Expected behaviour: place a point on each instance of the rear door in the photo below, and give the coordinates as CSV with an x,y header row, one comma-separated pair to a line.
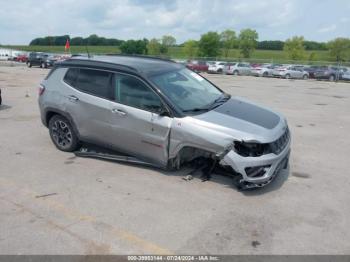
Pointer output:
x,y
88,101
138,128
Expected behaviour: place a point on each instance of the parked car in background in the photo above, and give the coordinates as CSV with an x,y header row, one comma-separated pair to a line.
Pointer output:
x,y
216,67
345,75
331,73
237,69
265,70
41,59
22,58
311,70
296,72
198,66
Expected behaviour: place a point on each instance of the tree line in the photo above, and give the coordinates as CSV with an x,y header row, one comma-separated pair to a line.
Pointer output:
x,y
212,44
90,40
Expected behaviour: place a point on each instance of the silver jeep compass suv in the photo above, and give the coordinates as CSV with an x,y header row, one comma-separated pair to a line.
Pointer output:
x,y
162,113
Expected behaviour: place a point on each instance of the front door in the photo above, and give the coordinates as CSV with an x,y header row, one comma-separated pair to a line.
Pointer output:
x,y
137,126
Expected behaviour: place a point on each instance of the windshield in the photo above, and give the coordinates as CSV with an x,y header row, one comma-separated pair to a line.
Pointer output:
x,y
187,90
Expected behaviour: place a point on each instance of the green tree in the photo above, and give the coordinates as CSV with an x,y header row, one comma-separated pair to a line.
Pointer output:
x,y
93,40
190,48
77,41
154,47
228,40
270,45
209,45
247,41
312,57
339,48
134,47
294,47
167,41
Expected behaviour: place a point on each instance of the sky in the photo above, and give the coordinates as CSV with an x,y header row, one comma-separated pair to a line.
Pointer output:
x,y
319,20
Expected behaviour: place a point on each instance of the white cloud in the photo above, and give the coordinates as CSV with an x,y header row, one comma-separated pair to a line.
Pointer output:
x,y
21,21
327,29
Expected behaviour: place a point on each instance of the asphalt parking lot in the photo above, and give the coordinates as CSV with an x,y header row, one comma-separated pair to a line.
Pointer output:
x,y
55,203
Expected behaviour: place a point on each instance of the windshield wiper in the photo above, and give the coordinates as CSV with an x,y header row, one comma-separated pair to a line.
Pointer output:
x,y
197,109
217,102
220,100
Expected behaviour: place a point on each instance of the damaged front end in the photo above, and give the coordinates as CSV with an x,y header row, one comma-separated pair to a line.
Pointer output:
x,y
257,164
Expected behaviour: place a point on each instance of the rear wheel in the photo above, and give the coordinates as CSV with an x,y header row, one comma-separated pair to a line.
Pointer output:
x,y
287,76
43,65
29,64
305,77
265,74
62,134
235,73
331,78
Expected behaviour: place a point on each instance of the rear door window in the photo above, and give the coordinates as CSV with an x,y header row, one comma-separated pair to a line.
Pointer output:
x,y
95,82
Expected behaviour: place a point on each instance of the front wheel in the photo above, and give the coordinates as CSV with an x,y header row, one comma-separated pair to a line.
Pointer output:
x,y
331,78
29,64
43,65
287,76
62,134
305,77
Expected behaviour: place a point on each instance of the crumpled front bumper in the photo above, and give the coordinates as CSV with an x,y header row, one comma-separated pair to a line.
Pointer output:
x,y
272,164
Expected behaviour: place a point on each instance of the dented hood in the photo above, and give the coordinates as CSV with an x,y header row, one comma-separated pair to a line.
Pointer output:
x,y
244,120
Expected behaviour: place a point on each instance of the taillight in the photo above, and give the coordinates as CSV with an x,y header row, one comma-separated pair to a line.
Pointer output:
x,y
41,90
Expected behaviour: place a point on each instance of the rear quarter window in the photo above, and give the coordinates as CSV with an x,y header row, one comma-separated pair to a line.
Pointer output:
x,y
71,76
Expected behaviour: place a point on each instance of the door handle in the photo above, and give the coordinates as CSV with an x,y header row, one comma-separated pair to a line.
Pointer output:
x,y
73,98
119,112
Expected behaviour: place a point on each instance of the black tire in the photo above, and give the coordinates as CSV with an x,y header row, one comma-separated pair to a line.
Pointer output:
x,y
235,73
29,64
220,70
43,65
265,74
62,134
305,77
287,76
331,78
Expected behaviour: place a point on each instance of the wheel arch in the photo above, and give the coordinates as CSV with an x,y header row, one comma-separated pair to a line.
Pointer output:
x,y
50,112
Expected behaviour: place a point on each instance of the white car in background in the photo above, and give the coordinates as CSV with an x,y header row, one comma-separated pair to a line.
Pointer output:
x,y
265,70
237,69
287,72
345,75
216,67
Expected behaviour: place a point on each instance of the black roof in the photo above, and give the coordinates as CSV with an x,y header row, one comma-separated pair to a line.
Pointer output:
x,y
136,64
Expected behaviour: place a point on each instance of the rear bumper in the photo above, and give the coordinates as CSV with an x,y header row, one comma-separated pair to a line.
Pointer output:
x,y
279,74
256,73
321,76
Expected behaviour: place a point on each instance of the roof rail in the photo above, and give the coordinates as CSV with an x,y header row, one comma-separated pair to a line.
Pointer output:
x,y
68,61
143,56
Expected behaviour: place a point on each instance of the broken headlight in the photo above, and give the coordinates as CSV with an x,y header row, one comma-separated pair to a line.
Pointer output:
x,y
250,149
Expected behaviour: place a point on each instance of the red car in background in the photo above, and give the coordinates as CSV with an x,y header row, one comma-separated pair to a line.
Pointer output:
x,y
198,66
22,58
